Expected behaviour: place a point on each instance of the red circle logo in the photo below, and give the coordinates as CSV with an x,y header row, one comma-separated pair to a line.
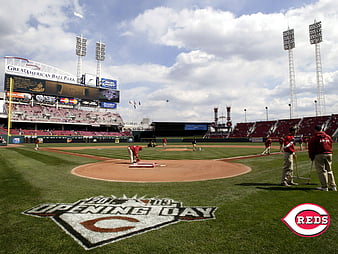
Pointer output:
x,y
307,220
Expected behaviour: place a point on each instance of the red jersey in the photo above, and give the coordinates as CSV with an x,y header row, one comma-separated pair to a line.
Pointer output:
x,y
135,149
268,142
289,141
320,143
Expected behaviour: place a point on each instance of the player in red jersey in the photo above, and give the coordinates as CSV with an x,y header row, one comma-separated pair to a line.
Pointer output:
x,y
268,143
133,153
320,151
289,156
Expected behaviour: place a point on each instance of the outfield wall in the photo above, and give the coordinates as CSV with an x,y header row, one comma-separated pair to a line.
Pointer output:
x,y
19,139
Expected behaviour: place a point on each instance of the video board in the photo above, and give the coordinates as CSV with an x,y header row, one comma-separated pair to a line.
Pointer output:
x,y
196,127
46,87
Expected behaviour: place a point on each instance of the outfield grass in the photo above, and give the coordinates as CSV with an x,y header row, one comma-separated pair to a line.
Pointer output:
x,y
248,215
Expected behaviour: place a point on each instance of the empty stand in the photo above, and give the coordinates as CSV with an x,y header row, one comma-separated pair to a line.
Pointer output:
x,y
263,129
242,130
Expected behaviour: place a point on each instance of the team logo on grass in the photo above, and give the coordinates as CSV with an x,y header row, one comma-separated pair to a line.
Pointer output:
x,y
96,221
307,220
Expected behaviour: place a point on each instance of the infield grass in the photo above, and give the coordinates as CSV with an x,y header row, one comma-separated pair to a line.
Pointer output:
x,y
248,215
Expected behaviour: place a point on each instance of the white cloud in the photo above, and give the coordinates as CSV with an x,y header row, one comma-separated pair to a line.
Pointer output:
x,y
240,61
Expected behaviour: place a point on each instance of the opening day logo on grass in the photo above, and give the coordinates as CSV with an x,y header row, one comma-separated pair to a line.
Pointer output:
x,y
307,220
96,221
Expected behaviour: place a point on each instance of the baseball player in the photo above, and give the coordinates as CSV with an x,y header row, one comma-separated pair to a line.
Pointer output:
x,y
320,151
37,141
194,144
268,143
281,141
289,155
133,153
164,142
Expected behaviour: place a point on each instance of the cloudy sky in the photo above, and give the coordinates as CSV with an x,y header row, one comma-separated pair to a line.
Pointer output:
x,y
181,58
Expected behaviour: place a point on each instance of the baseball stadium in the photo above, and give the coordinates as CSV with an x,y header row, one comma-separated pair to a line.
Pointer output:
x,y
68,184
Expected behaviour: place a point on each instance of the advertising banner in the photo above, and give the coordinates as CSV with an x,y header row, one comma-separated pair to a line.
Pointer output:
x,y
109,83
108,105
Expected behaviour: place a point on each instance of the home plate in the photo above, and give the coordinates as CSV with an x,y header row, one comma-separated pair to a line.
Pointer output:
x,y
142,165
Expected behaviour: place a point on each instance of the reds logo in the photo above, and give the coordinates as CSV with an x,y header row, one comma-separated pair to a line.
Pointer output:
x,y
307,220
96,221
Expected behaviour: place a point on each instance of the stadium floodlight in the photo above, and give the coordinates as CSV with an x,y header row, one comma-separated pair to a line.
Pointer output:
x,y
289,39
100,51
81,46
81,50
315,31
100,56
289,44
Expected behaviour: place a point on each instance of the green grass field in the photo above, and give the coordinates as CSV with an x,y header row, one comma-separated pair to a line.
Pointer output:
x,y
248,215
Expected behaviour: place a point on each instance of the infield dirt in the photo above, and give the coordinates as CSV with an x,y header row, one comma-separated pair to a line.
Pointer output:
x,y
174,170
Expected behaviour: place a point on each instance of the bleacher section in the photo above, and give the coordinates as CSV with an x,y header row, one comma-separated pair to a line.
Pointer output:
x,y
57,121
37,113
307,124
263,129
281,127
242,130
332,126
29,132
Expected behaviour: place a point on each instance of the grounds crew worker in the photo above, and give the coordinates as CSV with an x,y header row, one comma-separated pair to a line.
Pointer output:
x,y
320,152
289,155
267,143
133,153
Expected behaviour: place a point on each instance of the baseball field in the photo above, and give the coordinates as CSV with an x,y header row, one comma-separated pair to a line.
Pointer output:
x,y
239,213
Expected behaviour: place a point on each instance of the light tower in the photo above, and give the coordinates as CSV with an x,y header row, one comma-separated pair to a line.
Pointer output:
x,y
100,56
216,116
81,45
229,123
316,38
289,44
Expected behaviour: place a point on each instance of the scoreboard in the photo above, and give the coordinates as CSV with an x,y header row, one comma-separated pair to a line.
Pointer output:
x,y
60,89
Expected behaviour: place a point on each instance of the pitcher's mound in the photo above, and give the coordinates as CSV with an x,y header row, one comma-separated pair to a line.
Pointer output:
x,y
173,171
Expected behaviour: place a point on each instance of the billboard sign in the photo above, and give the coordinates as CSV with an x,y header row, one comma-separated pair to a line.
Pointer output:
x,y
45,98
109,83
59,89
71,101
108,105
27,68
17,95
195,127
